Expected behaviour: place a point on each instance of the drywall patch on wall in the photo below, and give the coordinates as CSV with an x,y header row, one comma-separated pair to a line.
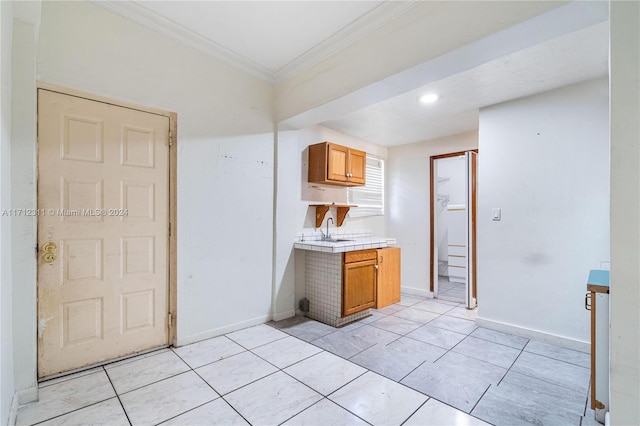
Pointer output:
x,y
544,161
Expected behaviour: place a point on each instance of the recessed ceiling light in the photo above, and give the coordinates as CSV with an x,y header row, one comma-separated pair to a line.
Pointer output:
x,y
429,98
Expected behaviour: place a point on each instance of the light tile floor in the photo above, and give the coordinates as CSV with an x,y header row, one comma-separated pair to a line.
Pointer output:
x,y
418,362
450,290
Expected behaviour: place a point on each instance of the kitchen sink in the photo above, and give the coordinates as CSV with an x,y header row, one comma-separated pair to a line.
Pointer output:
x,y
331,240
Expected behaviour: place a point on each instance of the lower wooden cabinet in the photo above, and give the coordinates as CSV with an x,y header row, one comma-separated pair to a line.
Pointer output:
x,y
359,276
370,279
388,280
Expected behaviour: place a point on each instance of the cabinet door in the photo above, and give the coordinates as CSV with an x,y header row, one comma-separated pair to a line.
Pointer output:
x,y
337,157
358,287
388,277
357,166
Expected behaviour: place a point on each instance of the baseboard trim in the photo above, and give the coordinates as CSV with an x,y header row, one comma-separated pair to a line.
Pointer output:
x,y
13,411
416,292
279,316
19,398
27,395
553,339
181,341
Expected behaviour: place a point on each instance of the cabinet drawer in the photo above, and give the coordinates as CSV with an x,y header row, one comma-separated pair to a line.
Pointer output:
x,y
360,255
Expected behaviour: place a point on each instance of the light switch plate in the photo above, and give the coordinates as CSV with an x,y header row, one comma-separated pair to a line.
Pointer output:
x,y
496,214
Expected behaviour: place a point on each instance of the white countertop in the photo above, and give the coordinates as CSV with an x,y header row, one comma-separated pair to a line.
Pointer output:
x,y
362,243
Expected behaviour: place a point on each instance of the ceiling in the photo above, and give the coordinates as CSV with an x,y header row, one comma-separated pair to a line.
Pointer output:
x,y
578,56
269,34
276,40
273,40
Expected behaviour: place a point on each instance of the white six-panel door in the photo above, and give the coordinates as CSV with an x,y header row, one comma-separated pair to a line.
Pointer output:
x,y
103,181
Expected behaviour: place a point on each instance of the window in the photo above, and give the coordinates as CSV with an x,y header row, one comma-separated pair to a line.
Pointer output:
x,y
370,197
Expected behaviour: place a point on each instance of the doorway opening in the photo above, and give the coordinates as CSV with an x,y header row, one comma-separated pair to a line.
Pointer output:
x,y
453,227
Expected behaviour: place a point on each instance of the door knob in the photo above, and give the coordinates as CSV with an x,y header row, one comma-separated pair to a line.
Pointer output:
x,y
50,251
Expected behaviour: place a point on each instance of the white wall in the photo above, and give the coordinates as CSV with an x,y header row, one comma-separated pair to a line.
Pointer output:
x,y
544,160
6,332
625,213
18,273
225,154
289,217
23,175
408,201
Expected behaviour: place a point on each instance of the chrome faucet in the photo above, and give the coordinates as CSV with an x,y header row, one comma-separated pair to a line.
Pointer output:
x,y
327,236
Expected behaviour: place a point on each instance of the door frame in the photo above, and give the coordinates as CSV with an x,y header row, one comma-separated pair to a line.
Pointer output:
x,y
173,196
432,218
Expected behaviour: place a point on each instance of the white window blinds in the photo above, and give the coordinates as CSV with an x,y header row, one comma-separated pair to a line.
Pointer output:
x,y
370,197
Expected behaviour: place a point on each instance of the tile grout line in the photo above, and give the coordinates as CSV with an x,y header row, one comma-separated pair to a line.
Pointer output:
x,y
117,395
78,409
586,401
536,378
510,367
398,382
152,383
216,392
326,396
231,356
316,403
480,399
208,363
497,343
416,410
556,359
420,365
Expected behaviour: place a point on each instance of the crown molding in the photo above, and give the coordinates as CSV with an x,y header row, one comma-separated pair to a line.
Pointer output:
x,y
143,16
368,22
359,28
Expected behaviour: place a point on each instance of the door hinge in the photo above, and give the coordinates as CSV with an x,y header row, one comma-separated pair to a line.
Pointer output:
x,y
169,229
170,139
170,320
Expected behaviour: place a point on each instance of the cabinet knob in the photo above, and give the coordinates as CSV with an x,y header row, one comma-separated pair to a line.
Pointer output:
x,y
376,266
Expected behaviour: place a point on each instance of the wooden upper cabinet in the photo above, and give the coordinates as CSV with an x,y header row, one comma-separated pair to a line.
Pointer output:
x,y
357,166
332,164
337,162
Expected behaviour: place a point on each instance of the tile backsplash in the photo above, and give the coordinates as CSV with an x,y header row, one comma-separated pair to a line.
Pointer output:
x,y
313,234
